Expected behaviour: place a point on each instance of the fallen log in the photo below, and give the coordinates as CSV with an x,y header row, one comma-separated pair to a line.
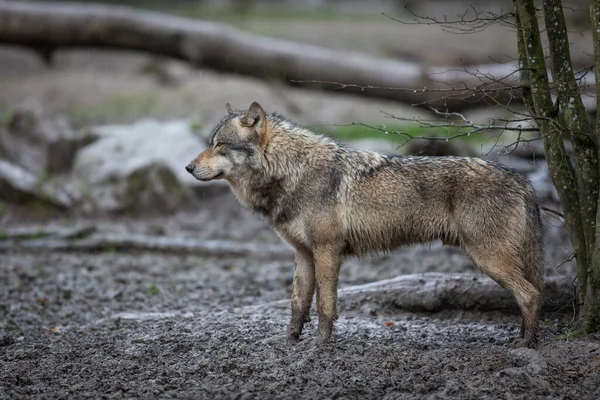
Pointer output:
x,y
434,291
138,242
47,27
31,233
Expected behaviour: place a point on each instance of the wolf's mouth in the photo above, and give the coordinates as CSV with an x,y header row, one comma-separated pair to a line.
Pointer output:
x,y
217,176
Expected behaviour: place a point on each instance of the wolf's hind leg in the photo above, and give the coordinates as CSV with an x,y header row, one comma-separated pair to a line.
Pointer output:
x,y
302,292
505,268
327,263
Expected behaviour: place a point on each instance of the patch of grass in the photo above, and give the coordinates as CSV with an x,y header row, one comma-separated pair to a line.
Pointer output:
x,y
396,133
571,334
196,127
122,107
153,290
498,366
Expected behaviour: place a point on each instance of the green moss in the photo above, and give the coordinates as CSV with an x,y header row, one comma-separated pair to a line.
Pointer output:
x,y
592,308
196,127
171,184
25,236
157,186
571,334
153,290
397,133
41,209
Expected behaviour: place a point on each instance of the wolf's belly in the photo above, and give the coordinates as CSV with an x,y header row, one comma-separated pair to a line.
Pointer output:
x,y
376,232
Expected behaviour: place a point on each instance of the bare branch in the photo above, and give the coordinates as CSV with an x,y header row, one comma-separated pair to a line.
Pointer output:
x,y
471,21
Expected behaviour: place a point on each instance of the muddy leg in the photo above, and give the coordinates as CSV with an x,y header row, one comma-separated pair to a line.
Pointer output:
x,y
302,294
327,262
529,300
505,268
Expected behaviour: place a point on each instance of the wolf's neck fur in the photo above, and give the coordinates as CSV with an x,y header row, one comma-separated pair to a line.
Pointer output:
x,y
290,155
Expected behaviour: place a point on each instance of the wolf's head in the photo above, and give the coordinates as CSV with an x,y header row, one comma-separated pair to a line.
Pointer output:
x,y
235,145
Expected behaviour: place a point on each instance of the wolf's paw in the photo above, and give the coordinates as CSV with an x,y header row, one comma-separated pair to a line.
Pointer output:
x,y
524,343
292,338
322,339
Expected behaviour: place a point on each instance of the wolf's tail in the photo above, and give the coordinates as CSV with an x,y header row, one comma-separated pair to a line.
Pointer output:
x,y
531,246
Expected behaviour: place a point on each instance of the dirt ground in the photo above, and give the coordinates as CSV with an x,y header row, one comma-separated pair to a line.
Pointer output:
x,y
150,324
119,324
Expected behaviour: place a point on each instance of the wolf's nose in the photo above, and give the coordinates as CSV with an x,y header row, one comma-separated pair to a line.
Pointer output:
x,y
190,168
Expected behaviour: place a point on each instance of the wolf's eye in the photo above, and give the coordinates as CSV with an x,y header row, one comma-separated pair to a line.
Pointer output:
x,y
220,146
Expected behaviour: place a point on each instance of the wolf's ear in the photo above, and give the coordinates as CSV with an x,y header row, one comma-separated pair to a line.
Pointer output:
x,y
230,109
255,117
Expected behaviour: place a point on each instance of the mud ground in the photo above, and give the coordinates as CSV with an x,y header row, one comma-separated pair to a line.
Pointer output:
x,y
145,324
123,324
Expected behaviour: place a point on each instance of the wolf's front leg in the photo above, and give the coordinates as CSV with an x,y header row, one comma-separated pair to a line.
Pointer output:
x,y
327,262
302,294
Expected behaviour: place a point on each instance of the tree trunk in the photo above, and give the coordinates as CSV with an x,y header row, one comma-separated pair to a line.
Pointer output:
x,y
574,118
536,90
48,27
576,180
591,306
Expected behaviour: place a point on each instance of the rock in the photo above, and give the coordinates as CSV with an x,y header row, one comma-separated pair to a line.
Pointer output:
x,y
18,185
173,143
136,168
40,147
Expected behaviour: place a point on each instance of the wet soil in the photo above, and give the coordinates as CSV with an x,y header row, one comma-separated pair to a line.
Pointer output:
x,y
149,324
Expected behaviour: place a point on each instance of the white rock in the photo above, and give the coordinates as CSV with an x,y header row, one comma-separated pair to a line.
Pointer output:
x,y
137,167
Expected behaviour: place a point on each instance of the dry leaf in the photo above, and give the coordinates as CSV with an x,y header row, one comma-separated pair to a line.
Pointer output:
x,y
56,329
41,300
389,323
571,372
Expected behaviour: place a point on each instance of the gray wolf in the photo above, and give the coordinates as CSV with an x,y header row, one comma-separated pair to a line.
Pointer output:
x,y
330,202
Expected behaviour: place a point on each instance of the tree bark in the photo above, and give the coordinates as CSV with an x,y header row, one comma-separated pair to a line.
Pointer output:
x,y
48,27
576,180
591,306
536,90
574,118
